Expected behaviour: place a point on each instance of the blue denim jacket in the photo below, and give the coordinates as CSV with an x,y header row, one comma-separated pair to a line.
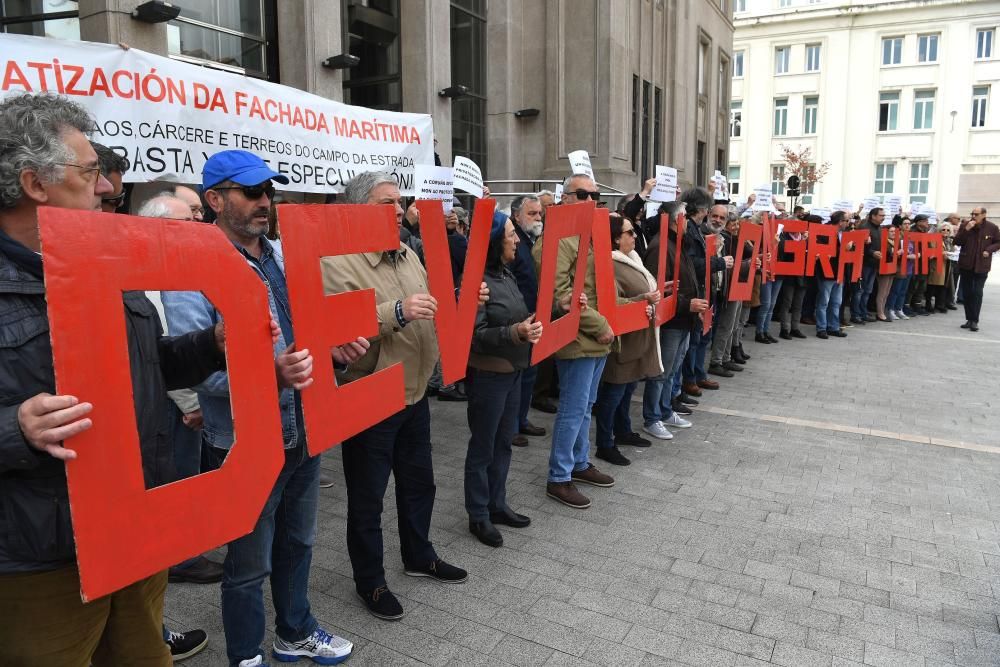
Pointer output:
x,y
191,311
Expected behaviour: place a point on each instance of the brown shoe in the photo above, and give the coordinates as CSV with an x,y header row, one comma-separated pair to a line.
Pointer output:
x,y
691,389
519,441
708,384
566,493
593,476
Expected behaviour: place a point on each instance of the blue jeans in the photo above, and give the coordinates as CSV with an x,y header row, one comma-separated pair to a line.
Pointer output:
x,y
494,399
528,377
280,547
828,295
612,412
897,293
693,368
660,391
859,306
578,382
769,293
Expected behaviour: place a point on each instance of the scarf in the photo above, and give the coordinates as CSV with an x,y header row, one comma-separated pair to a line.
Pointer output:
x,y
632,259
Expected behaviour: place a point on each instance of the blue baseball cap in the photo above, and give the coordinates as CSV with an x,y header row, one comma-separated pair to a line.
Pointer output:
x,y
239,167
499,222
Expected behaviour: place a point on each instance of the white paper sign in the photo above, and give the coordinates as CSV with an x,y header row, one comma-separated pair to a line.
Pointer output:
x,y
843,205
558,193
893,205
651,208
579,162
764,198
821,211
666,185
869,203
720,185
468,177
167,117
434,183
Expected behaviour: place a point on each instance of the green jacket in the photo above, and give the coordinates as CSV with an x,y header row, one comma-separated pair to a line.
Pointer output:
x,y
592,323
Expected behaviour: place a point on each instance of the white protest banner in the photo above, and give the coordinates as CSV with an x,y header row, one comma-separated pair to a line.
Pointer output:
x,y
843,205
434,183
666,184
579,162
821,211
869,203
893,205
468,177
720,186
167,117
763,200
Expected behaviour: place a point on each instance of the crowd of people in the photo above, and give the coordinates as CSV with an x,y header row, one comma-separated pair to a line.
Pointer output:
x,y
46,159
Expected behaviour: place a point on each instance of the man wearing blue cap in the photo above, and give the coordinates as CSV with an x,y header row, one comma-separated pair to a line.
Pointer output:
x,y
238,187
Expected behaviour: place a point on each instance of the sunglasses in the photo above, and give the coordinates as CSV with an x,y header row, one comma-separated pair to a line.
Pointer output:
x,y
582,194
252,191
115,201
630,232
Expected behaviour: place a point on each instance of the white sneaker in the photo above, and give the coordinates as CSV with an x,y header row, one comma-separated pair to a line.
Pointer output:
x,y
677,421
253,662
321,647
658,430
901,315
891,316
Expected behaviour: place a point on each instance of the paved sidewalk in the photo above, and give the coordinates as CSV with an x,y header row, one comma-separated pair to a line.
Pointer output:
x,y
775,535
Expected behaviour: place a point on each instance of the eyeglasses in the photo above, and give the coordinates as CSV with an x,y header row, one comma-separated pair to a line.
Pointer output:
x,y
252,191
582,194
90,173
630,232
197,210
115,201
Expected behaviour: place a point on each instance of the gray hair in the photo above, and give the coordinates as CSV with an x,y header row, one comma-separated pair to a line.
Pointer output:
x,y
359,188
518,202
463,215
569,178
31,127
157,206
110,161
541,193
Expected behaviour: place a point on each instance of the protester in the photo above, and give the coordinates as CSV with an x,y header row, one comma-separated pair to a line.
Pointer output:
x,y
939,281
239,188
870,268
579,364
193,200
917,289
904,273
979,239
46,160
884,281
501,350
400,444
828,289
770,290
546,198
113,168
725,358
793,287
638,356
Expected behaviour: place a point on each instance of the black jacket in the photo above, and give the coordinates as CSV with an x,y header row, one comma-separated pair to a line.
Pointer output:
x,y
35,529
494,341
688,287
875,232
523,268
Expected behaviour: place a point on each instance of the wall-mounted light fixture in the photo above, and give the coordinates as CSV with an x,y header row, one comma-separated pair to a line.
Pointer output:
x,y
343,61
454,92
530,112
156,11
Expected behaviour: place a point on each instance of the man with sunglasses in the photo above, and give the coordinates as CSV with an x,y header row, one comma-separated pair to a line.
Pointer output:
x,y
238,187
979,239
113,168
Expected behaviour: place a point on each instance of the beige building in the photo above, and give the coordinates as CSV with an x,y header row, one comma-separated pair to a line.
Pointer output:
x,y
512,84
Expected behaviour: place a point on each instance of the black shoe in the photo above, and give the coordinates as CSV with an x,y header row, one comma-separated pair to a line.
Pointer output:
x,y
732,366
784,335
822,334
325,480
966,325
680,408
486,533
185,644
839,333
531,429
632,439
797,334
721,371
761,338
736,357
510,518
951,307
381,603
519,440
746,357
546,405
771,338
923,311
451,393
439,571
684,399
862,321
974,326
868,318
202,571
612,456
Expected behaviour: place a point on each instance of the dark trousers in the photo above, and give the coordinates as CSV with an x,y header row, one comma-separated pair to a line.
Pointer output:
x,y
401,445
972,293
917,292
809,301
528,377
936,299
494,399
611,412
790,307
693,369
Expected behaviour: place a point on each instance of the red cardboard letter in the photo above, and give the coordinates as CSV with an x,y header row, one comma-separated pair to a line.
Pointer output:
x,y
796,266
310,232
123,531
706,316
769,248
454,321
561,222
741,290
822,247
887,264
853,257
621,318
667,307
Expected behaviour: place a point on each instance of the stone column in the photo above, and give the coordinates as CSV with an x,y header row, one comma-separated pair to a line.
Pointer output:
x,y
111,21
309,32
425,47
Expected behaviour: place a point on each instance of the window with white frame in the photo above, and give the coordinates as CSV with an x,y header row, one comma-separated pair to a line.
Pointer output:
x,y
980,96
738,65
888,110
920,179
734,179
885,178
784,3
735,118
781,58
923,110
778,179
806,191
740,6
927,47
781,117
812,57
723,76
810,111
892,50
984,43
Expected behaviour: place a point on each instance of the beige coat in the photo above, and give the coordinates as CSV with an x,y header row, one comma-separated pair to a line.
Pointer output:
x,y
639,356
415,345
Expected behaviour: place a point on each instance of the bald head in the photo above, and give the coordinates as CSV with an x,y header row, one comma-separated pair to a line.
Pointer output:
x,y
191,198
166,206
